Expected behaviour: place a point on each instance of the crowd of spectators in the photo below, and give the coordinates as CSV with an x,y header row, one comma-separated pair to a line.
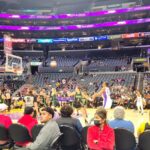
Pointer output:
x,y
146,85
100,136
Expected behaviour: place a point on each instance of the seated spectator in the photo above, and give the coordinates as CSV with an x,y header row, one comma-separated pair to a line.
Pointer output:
x,y
144,126
47,134
28,121
5,121
100,136
119,122
66,112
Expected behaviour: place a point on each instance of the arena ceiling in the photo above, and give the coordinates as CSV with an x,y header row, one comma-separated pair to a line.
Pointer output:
x,y
43,3
65,5
55,6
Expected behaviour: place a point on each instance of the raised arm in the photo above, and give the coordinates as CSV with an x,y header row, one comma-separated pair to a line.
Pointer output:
x,y
98,93
85,95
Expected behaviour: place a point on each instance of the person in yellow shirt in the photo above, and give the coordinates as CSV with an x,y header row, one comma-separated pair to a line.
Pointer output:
x,y
144,126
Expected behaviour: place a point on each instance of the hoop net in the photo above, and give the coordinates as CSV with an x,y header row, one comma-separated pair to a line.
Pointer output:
x,y
17,70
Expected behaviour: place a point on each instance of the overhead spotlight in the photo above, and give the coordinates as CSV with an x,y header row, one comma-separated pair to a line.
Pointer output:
x,y
99,47
90,83
53,63
63,49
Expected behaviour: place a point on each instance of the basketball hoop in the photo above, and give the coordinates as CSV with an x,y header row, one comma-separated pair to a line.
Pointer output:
x,y
13,64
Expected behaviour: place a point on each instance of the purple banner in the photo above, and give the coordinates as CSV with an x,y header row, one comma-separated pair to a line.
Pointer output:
x,y
67,16
76,27
65,99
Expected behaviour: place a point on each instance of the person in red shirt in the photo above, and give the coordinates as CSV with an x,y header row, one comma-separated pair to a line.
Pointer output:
x,y
100,136
28,121
5,121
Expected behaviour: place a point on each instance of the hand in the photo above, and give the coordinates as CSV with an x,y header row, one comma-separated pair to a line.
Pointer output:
x,y
95,141
28,144
93,96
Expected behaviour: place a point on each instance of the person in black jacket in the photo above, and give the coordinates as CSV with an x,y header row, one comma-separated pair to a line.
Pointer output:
x,y
66,119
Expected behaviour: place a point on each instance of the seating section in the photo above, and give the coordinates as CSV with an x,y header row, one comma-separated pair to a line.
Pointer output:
x,y
88,81
4,135
146,84
112,64
144,143
124,139
64,61
71,139
52,78
104,60
21,136
64,64
35,131
12,81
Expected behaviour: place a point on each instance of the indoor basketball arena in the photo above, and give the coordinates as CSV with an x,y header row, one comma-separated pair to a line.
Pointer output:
x,y
75,74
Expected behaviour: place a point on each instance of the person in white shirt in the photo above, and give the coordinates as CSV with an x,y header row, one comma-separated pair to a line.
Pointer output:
x,y
139,102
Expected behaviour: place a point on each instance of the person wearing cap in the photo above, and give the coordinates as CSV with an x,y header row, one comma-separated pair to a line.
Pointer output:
x,y
100,136
119,122
47,134
5,121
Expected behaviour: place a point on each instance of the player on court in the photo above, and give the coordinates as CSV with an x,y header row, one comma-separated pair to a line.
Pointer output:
x,y
80,102
105,93
139,102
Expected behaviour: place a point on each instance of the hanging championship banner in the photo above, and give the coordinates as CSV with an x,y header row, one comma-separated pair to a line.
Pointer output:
x,y
7,44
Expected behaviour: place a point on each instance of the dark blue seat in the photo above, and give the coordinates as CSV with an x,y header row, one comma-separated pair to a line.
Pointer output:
x,y
124,139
